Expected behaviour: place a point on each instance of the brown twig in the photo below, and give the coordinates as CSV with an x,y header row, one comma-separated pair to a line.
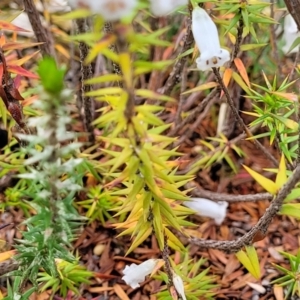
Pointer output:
x,y
240,120
178,118
189,131
194,113
175,75
239,38
293,7
168,267
260,229
116,68
86,73
197,192
273,37
42,34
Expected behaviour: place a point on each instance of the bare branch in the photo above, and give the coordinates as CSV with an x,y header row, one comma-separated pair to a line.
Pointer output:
x,y
86,73
260,229
240,120
197,192
293,7
43,35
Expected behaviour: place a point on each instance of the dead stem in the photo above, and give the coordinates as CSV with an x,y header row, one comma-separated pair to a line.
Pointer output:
x,y
260,229
240,120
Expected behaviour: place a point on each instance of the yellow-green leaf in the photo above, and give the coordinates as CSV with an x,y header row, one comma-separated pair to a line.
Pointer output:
x,y
104,78
266,183
202,87
291,209
250,261
105,42
144,232
125,65
281,177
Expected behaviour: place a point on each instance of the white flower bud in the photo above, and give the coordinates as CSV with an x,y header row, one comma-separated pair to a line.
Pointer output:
x,y
134,274
208,208
290,34
178,284
207,40
164,7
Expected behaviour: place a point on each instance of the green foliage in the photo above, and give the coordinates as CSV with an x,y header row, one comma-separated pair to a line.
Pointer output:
x,y
51,77
249,259
53,176
290,280
139,189
276,114
70,276
13,293
98,204
198,284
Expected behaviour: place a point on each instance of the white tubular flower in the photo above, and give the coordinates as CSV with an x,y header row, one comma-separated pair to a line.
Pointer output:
x,y
164,7
207,40
208,208
178,283
134,274
110,10
290,34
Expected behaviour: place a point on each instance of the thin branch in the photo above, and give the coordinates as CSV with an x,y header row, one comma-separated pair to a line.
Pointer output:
x,y
86,73
43,35
293,7
175,75
194,113
273,36
197,192
238,40
178,118
240,120
260,229
116,68
189,131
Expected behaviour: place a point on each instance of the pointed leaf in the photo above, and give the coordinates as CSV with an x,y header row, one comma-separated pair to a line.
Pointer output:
x,y
226,79
281,177
266,183
21,71
250,261
8,26
242,70
202,87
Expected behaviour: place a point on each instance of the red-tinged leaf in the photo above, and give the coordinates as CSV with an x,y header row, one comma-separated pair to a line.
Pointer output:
x,y
30,100
1,72
15,110
2,92
21,71
21,61
242,70
2,40
8,26
19,46
17,81
15,93
226,79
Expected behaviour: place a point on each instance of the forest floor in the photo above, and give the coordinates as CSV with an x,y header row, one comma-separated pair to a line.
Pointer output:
x,y
103,252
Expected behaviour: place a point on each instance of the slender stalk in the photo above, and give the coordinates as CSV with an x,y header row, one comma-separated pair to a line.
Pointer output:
x,y
240,120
